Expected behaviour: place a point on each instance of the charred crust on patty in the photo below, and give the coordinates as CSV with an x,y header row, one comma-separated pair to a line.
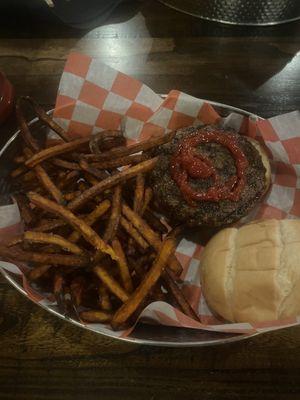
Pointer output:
x,y
207,213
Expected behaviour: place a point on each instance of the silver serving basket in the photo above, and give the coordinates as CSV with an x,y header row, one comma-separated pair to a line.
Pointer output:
x,y
240,12
144,333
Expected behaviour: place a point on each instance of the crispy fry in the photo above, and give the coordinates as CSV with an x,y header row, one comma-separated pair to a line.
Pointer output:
x,y
50,238
25,211
90,179
77,287
179,296
99,140
154,222
111,284
104,300
127,310
43,116
38,272
43,258
18,171
95,316
139,193
119,162
147,199
91,218
49,225
24,128
123,151
19,159
151,237
90,170
71,195
65,164
68,179
115,215
123,266
114,180
86,231
58,287
130,229
46,180
54,151
28,176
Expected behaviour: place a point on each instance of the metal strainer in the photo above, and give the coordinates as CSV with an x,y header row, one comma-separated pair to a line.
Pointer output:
x,y
240,12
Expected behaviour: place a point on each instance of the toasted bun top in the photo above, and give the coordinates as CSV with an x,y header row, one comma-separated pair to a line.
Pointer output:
x,y
252,274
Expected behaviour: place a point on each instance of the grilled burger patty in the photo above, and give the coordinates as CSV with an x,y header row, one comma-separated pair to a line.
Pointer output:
x,y
207,213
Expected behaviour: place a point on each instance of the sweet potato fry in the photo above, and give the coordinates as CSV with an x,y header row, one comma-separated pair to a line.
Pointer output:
x,y
114,180
65,164
154,222
90,170
111,284
119,162
136,300
151,237
28,176
115,215
54,151
95,316
43,258
71,195
123,266
46,181
19,159
85,230
76,288
43,116
98,141
123,151
26,213
139,193
104,300
24,128
91,218
130,229
38,272
147,199
69,179
49,225
50,238
179,297
18,171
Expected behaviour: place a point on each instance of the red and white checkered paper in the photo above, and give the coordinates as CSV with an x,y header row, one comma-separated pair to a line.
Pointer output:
x,y
93,96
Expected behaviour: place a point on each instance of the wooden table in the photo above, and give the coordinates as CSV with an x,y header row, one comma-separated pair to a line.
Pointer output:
x,y
258,69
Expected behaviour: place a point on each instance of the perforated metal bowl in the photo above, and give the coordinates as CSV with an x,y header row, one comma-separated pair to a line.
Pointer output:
x,y
240,12
143,334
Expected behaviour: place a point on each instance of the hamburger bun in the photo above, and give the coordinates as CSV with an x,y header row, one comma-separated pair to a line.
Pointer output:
x,y
170,200
252,273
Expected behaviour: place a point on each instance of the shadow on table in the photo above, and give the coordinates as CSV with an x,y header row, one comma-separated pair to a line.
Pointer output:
x,y
249,56
34,19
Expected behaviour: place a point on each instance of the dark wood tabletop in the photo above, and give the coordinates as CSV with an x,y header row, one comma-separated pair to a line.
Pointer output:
x,y
258,69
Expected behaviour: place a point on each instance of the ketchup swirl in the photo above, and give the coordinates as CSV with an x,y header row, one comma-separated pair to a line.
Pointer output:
x,y
188,162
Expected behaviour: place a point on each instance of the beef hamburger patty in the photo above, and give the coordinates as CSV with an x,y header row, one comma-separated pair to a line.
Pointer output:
x,y
168,196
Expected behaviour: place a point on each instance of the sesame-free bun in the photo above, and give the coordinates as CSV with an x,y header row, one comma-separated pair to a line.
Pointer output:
x,y
252,273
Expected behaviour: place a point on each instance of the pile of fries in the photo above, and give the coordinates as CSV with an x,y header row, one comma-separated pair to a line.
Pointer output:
x,y
90,233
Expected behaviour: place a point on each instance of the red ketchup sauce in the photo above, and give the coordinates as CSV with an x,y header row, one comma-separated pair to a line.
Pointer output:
x,y
188,162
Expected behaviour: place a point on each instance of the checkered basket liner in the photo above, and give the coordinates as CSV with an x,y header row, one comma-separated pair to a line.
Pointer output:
x,y
93,97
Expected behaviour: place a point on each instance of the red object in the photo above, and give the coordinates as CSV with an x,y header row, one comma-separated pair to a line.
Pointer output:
x,y
6,97
188,162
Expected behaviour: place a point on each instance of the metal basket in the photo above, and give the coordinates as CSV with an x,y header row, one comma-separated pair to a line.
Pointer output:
x,y
240,12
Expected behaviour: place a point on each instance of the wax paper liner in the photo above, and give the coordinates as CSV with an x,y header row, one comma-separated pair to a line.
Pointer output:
x,y
92,97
